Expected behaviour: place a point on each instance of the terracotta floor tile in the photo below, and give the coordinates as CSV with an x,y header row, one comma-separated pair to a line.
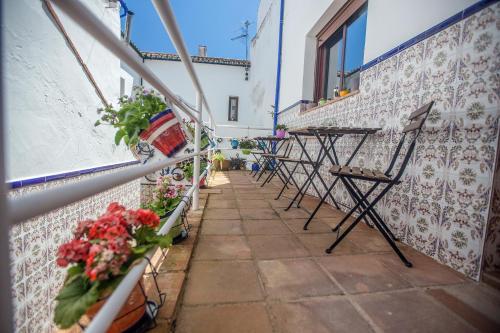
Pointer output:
x,y
253,204
222,281
221,214
425,271
295,278
241,318
323,315
363,273
479,304
316,244
221,227
280,203
214,202
258,214
292,213
274,246
297,225
222,247
265,227
409,311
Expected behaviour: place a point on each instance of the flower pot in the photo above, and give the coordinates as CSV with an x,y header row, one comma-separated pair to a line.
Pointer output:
x,y
225,165
165,133
217,165
280,134
132,311
234,143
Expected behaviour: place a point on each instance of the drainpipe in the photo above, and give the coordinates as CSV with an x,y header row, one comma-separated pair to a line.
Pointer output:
x,y
278,70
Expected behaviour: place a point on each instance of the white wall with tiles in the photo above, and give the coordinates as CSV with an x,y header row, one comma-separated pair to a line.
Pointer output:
x,y
51,105
36,279
441,207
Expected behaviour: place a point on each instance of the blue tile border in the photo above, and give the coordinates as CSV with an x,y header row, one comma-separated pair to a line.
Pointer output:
x,y
420,37
431,31
71,174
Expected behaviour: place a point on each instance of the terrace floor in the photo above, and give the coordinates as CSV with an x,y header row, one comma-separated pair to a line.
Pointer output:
x,y
255,270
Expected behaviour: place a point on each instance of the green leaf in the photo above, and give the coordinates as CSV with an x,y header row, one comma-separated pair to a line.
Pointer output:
x,y
97,123
73,300
118,136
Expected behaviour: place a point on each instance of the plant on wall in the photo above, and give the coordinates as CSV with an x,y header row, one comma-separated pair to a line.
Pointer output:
x,y
247,143
133,114
166,196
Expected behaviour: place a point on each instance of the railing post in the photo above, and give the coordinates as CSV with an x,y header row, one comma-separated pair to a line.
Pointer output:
x,y
197,143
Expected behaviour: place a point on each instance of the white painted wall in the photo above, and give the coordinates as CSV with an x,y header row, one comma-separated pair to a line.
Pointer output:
x,y
389,23
218,82
51,106
392,22
264,58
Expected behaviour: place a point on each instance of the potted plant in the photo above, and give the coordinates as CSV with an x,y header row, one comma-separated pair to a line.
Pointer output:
x,y
205,140
188,169
246,151
321,102
234,143
100,254
246,143
166,197
344,92
146,117
218,159
281,131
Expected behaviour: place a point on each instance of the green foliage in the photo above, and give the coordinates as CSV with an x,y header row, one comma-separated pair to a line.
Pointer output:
x,y
163,207
133,115
246,151
281,127
218,157
77,295
247,144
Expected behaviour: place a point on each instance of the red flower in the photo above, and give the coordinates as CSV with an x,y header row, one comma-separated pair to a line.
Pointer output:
x,y
73,252
147,217
115,208
82,228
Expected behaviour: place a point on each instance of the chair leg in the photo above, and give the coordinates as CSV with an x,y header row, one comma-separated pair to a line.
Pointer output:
x,y
323,198
287,180
379,227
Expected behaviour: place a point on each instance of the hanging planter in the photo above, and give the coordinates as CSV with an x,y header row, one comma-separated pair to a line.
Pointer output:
x,y
234,143
165,133
144,116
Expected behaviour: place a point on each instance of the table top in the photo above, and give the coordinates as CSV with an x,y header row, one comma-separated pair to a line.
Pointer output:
x,y
270,138
325,130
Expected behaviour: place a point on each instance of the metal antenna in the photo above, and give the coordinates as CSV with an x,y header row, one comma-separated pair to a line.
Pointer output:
x,y
244,34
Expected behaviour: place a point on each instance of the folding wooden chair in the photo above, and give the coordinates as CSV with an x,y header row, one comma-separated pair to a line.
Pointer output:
x,y
347,174
273,160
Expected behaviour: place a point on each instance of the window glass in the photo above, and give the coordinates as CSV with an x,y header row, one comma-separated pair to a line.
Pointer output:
x,y
333,64
233,109
354,49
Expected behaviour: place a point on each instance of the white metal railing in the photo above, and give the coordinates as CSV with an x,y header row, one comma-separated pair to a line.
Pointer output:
x,y
37,203
114,303
93,25
31,205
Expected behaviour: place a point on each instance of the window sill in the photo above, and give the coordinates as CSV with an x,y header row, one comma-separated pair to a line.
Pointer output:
x,y
335,100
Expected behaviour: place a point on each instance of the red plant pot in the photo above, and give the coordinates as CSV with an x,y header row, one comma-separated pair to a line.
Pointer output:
x,y
165,133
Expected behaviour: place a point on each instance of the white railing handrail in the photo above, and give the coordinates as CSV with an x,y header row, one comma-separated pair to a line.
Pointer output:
x,y
169,21
93,25
107,314
37,203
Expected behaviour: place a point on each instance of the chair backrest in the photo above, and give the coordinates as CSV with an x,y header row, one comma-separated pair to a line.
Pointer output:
x,y
410,132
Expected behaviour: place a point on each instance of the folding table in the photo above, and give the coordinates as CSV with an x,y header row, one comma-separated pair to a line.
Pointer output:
x,y
271,147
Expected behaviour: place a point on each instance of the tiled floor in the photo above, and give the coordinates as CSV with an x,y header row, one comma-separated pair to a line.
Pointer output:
x,y
255,270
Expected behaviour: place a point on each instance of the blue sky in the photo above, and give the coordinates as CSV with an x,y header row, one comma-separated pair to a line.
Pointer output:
x,y
207,22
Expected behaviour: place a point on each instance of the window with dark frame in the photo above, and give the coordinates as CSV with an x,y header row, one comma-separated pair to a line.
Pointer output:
x,y
340,50
233,109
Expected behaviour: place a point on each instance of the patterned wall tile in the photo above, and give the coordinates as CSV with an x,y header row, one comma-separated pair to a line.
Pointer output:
x,y
441,207
33,247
